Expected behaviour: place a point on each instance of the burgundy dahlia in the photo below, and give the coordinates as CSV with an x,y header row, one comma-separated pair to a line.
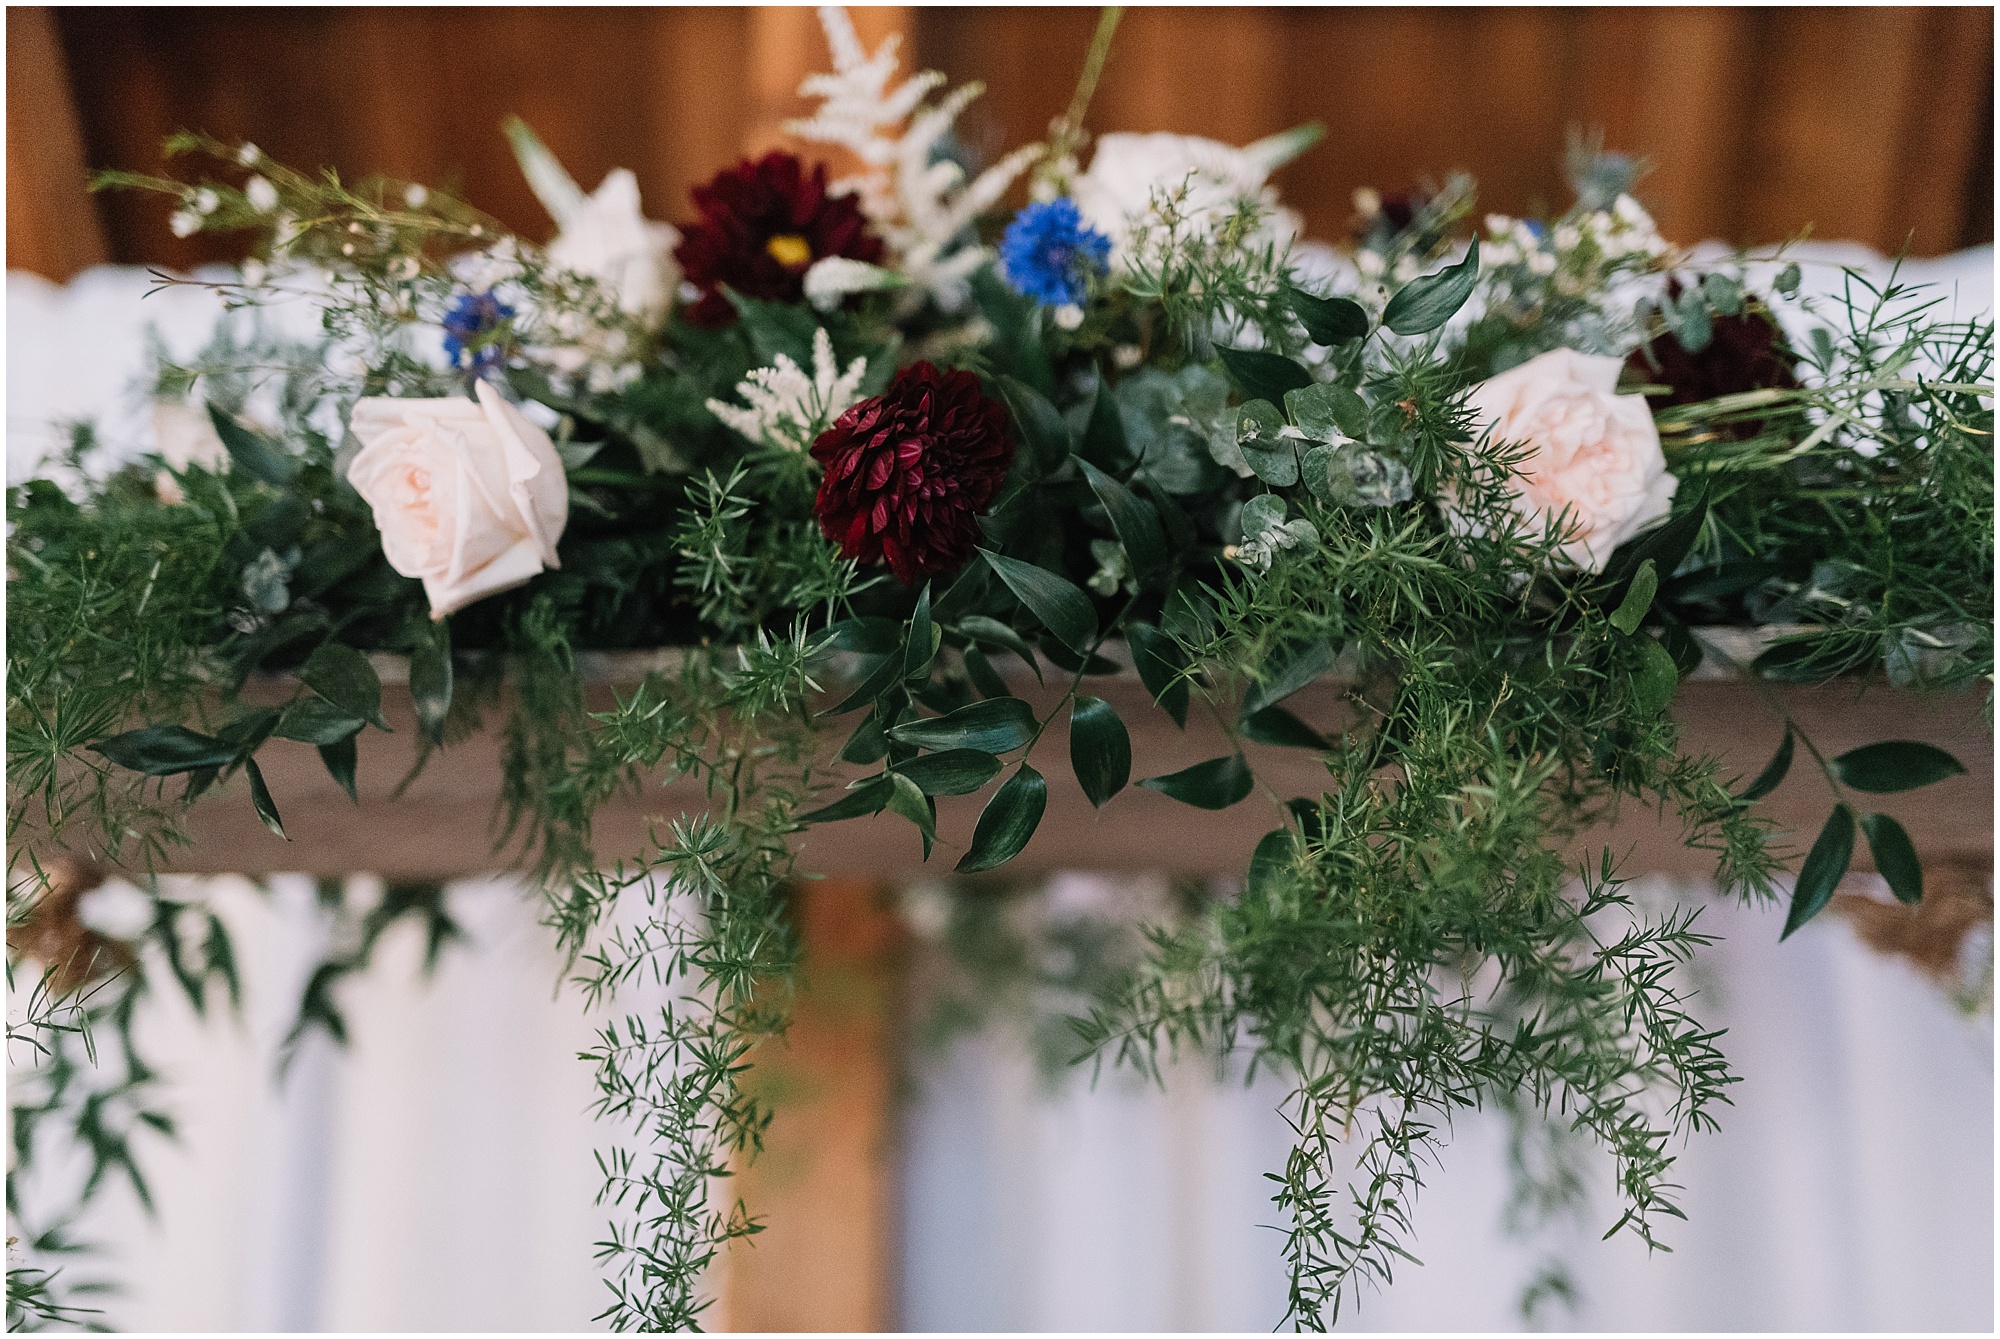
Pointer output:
x,y
1746,352
908,472
762,226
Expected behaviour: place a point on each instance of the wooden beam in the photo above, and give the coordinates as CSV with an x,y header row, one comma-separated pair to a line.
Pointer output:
x,y
52,223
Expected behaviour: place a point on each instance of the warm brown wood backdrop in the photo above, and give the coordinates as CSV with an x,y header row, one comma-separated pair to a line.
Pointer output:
x,y
1869,123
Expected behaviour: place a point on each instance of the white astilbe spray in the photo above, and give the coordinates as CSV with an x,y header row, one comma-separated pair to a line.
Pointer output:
x,y
787,409
922,208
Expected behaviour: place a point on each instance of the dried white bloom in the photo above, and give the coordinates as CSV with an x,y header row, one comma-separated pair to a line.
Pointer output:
x,y
249,154
1069,316
184,223
922,208
832,278
205,201
787,409
415,196
261,194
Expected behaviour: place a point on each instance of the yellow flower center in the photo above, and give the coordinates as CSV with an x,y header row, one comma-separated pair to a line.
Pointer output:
x,y
790,250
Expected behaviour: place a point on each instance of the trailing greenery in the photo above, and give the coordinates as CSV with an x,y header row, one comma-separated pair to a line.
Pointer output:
x,y
1232,478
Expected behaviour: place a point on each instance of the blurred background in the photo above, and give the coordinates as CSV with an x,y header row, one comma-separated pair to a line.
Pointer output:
x,y
1871,124
932,1171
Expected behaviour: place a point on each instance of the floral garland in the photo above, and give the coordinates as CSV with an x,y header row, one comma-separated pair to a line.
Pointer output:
x,y
852,441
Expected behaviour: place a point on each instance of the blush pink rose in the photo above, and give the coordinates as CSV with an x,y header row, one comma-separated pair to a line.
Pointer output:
x,y
1592,454
469,496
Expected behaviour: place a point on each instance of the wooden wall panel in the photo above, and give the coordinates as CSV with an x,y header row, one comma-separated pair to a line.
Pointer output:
x,y
52,226
1867,123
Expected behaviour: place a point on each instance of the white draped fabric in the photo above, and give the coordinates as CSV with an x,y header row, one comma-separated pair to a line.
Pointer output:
x,y
438,1173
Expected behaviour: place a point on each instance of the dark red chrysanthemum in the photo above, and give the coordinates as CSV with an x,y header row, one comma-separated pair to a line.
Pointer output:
x,y
762,226
1745,352
908,472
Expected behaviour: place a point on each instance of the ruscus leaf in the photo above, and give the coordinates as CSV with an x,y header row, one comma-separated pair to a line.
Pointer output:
x,y
1134,520
343,676
1895,857
1638,598
1826,864
1215,784
1774,771
1264,375
1329,321
1287,671
341,759
993,726
1042,428
260,799
164,750
1159,661
1007,822
1100,750
1278,727
1424,304
953,772
1893,765
1062,608
868,798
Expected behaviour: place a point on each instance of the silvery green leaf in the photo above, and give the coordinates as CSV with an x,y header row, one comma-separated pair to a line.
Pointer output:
x,y
265,583
1723,293
1328,413
1353,476
547,178
1688,315
1264,512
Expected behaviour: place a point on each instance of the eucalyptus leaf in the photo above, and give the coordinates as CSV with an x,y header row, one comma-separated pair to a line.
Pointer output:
x,y
1007,822
1893,765
1327,412
1215,784
1424,304
1826,864
1723,293
1100,750
1895,857
993,726
1062,608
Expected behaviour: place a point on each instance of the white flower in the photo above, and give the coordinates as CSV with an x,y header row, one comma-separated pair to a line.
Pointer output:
x,y
1542,263
116,910
920,203
416,196
261,194
249,154
788,409
1594,455
1069,316
833,278
185,437
184,223
469,496
1128,172
205,201
1567,237
631,257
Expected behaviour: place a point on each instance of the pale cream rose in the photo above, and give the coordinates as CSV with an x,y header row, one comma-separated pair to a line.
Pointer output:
x,y
469,496
184,436
1592,452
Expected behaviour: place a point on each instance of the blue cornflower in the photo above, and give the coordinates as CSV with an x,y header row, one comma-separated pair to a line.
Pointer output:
x,y
472,332
1048,252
